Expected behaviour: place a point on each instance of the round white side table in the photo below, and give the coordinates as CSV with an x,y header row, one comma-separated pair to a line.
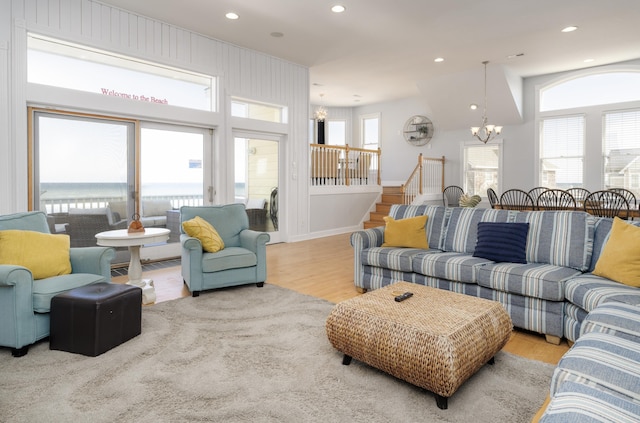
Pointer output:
x,y
135,240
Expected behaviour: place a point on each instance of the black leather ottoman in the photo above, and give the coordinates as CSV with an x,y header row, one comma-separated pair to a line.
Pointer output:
x,y
92,319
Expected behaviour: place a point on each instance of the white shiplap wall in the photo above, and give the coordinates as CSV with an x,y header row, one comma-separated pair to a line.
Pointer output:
x,y
244,73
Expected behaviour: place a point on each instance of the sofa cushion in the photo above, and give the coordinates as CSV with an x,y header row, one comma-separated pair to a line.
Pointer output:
x,y
435,223
620,257
408,232
462,227
618,319
502,242
391,258
601,360
579,403
45,289
561,238
45,255
229,258
457,267
543,281
155,207
587,291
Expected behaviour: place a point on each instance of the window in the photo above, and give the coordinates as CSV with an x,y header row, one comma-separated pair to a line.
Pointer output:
x,y
622,150
259,111
370,130
481,168
81,68
590,90
337,132
561,152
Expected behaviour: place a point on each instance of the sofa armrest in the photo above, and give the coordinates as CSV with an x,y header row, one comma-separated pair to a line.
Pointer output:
x,y
373,237
361,240
94,260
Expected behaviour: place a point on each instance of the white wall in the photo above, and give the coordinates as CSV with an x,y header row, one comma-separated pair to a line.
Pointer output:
x,y
243,73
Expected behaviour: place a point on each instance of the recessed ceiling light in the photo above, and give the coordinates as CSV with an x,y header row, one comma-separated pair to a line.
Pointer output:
x,y
438,59
473,106
338,8
588,60
277,34
513,56
569,29
232,16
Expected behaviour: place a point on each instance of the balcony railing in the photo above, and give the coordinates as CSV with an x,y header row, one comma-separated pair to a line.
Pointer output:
x,y
335,165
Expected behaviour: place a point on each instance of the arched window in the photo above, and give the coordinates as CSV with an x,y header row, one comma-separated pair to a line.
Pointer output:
x,y
591,90
588,126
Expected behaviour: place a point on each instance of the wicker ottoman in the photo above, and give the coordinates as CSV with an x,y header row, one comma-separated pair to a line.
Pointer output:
x,y
92,319
435,339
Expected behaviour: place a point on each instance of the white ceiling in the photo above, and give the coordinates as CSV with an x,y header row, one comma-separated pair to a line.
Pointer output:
x,y
382,50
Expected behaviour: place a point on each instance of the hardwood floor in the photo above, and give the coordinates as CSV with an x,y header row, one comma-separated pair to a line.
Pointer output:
x,y
323,268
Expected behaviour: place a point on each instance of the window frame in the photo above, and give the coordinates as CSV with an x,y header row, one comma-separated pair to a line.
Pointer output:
x,y
499,143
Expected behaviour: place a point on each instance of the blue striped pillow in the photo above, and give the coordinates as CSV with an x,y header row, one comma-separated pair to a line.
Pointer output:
x,y
502,242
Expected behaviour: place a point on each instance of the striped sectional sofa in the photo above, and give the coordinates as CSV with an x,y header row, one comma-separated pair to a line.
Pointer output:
x,y
551,294
598,379
554,294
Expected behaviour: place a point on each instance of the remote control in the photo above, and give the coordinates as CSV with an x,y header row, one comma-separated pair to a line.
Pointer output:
x,y
404,296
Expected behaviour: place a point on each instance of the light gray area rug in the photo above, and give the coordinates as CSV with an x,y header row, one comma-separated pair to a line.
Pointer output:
x,y
246,354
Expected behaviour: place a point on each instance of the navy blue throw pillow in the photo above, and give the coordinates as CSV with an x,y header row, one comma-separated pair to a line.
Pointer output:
x,y
502,242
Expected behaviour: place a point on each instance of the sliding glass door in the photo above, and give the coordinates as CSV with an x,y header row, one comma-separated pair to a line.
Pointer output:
x,y
94,174
81,168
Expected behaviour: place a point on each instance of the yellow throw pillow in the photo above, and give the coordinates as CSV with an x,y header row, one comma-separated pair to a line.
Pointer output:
x,y
205,232
620,257
409,233
45,255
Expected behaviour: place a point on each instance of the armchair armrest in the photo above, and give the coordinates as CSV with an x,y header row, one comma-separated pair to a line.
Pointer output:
x,y
16,296
254,240
191,256
94,260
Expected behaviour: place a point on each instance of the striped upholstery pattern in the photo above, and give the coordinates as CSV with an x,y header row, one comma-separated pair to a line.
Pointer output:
x,y
436,220
452,266
462,228
604,361
587,291
618,319
391,258
576,403
573,318
361,240
562,238
544,281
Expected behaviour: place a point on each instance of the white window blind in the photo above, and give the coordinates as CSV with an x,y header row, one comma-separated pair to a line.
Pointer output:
x,y
622,150
561,152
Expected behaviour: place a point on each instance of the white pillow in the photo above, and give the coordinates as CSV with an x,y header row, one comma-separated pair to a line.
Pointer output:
x,y
256,203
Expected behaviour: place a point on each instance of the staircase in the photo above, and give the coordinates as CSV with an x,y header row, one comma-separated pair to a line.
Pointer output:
x,y
390,195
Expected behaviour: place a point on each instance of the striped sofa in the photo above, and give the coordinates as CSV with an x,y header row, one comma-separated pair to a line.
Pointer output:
x,y
551,294
598,379
554,294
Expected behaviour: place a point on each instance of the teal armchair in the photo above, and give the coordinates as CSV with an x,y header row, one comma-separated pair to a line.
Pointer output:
x,y
242,261
25,302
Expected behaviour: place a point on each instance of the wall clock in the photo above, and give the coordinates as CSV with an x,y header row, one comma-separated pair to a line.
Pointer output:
x,y
418,130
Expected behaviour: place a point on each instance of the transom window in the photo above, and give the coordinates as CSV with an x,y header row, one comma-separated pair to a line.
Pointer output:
x,y
260,111
65,65
590,90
